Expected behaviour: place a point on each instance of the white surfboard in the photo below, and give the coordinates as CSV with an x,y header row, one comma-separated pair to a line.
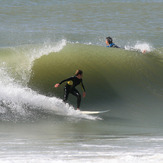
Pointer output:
x,y
94,112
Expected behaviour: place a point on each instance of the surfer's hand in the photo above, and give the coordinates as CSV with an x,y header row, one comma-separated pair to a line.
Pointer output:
x,y
56,85
84,94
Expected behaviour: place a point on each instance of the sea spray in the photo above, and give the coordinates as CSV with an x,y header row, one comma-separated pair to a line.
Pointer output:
x,y
140,46
20,103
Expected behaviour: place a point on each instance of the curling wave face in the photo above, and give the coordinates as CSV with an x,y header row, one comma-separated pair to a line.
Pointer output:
x,y
17,100
124,81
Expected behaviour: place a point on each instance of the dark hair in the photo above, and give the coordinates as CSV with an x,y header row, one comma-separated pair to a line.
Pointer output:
x,y
110,40
78,72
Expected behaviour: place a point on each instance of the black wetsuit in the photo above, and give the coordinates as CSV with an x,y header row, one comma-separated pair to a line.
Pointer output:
x,y
72,82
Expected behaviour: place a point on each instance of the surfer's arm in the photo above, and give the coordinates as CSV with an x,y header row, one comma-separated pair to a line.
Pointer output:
x,y
68,79
58,84
83,88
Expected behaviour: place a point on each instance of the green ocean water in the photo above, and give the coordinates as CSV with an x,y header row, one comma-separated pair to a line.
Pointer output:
x,y
44,42
116,79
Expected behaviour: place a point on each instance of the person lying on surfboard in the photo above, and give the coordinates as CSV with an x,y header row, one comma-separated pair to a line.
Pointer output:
x,y
72,82
110,44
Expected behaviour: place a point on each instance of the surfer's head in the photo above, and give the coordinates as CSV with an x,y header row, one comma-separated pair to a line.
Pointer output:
x,y
109,40
79,73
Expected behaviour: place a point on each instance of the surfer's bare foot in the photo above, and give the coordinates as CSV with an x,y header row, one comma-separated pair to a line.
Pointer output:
x,y
78,109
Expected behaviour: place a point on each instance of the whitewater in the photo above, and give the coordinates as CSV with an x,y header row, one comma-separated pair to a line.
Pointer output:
x,y
42,43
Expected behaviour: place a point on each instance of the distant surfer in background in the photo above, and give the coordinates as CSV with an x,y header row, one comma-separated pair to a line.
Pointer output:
x,y
72,82
110,44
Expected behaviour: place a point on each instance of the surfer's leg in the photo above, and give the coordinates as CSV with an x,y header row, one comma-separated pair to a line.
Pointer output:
x,y
66,93
77,94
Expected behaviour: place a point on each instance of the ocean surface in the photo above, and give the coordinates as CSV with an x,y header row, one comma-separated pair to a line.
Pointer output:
x,y
44,42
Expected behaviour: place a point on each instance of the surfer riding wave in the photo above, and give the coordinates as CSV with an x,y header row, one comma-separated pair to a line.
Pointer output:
x,y
72,82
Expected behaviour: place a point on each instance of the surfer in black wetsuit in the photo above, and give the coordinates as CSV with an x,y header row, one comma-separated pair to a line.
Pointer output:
x,y
72,82
109,43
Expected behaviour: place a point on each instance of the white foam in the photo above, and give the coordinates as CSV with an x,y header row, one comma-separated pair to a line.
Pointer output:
x,y
46,48
18,100
91,158
21,59
140,46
